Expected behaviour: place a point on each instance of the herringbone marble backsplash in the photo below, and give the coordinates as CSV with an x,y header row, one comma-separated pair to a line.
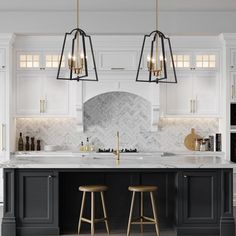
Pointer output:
x,y
108,113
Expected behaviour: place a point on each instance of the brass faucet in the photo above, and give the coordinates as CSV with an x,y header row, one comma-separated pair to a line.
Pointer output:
x,y
117,151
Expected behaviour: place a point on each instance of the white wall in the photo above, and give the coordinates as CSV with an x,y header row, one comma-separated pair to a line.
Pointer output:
x,y
177,23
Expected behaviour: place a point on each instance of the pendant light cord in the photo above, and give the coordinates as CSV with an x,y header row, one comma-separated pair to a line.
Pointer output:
x,y
157,25
157,20
77,13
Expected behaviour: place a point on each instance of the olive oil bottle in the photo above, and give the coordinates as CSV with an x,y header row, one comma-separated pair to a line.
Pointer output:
x,y
21,143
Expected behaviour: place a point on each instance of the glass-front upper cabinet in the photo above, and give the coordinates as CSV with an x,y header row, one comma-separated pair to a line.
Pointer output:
x,y
205,60
38,60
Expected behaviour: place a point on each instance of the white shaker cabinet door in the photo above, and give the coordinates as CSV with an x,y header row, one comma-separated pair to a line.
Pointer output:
x,y
206,94
179,96
2,59
2,113
29,95
56,95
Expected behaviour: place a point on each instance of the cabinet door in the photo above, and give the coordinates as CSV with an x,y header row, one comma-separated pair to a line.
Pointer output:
x,y
233,86
2,59
28,61
205,94
36,197
118,60
179,96
200,197
29,94
2,113
57,96
233,59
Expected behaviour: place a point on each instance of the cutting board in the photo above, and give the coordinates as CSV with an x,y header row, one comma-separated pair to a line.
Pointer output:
x,y
189,141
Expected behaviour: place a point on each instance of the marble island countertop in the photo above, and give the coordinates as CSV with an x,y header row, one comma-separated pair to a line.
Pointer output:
x,y
107,161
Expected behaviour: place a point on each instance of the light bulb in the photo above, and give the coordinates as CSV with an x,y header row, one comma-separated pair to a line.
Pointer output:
x,y
82,55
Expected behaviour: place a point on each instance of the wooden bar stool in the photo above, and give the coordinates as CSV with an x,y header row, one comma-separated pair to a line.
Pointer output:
x,y
143,220
92,190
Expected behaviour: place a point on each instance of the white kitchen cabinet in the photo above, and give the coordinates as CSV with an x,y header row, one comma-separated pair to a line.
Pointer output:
x,y
3,124
179,96
118,60
29,94
232,59
233,86
2,59
39,93
197,91
42,95
56,94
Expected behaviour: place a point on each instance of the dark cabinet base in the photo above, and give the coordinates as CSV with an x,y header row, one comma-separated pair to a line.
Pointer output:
x,y
194,202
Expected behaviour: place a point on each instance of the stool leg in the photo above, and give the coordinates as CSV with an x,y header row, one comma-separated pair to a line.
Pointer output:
x,y
81,211
92,213
141,212
130,214
155,214
104,212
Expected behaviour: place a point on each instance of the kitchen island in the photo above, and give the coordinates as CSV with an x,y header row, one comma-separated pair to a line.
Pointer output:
x,y
41,194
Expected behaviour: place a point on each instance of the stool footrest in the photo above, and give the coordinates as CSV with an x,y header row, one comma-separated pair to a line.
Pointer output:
x,y
95,220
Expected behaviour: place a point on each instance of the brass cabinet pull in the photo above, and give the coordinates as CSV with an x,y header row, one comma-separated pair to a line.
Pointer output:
x,y
44,106
191,106
41,106
2,147
194,106
117,68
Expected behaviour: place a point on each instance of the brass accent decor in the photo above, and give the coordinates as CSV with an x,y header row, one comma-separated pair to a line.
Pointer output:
x,y
79,45
159,47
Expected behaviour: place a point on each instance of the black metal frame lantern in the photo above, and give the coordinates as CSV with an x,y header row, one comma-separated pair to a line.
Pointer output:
x,y
160,49
79,42
77,64
157,74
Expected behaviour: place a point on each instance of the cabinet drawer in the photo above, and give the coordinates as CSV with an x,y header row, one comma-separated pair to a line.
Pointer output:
x,y
118,60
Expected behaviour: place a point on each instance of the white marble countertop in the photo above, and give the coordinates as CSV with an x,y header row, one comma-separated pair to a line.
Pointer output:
x,y
107,161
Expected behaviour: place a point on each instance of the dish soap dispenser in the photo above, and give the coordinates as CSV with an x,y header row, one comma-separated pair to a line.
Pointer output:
x,y
87,147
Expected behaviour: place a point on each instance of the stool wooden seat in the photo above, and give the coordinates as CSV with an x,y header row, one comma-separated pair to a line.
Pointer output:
x,y
92,189
143,220
143,188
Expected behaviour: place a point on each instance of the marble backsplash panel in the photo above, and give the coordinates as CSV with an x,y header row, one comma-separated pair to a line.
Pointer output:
x,y
110,112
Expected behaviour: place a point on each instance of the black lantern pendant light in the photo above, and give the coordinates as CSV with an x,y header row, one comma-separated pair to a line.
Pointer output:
x,y
158,49
79,45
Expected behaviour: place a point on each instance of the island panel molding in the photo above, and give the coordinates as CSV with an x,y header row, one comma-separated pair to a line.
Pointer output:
x,y
178,196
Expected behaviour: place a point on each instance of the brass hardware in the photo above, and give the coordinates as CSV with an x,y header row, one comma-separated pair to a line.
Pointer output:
x,y
50,176
117,68
191,106
3,67
194,106
117,151
185,176
41,106
2,143
44,106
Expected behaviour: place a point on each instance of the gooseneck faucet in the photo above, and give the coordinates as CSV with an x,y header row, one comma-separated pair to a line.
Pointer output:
x,y
117,151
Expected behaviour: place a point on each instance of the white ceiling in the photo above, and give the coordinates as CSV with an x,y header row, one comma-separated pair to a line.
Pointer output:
x,y
118,5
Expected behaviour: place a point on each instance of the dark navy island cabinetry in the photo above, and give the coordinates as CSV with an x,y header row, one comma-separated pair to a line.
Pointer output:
x,y
193,202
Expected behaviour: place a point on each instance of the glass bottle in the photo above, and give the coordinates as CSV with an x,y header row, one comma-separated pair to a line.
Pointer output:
x,y
20,143
27,145
87,146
